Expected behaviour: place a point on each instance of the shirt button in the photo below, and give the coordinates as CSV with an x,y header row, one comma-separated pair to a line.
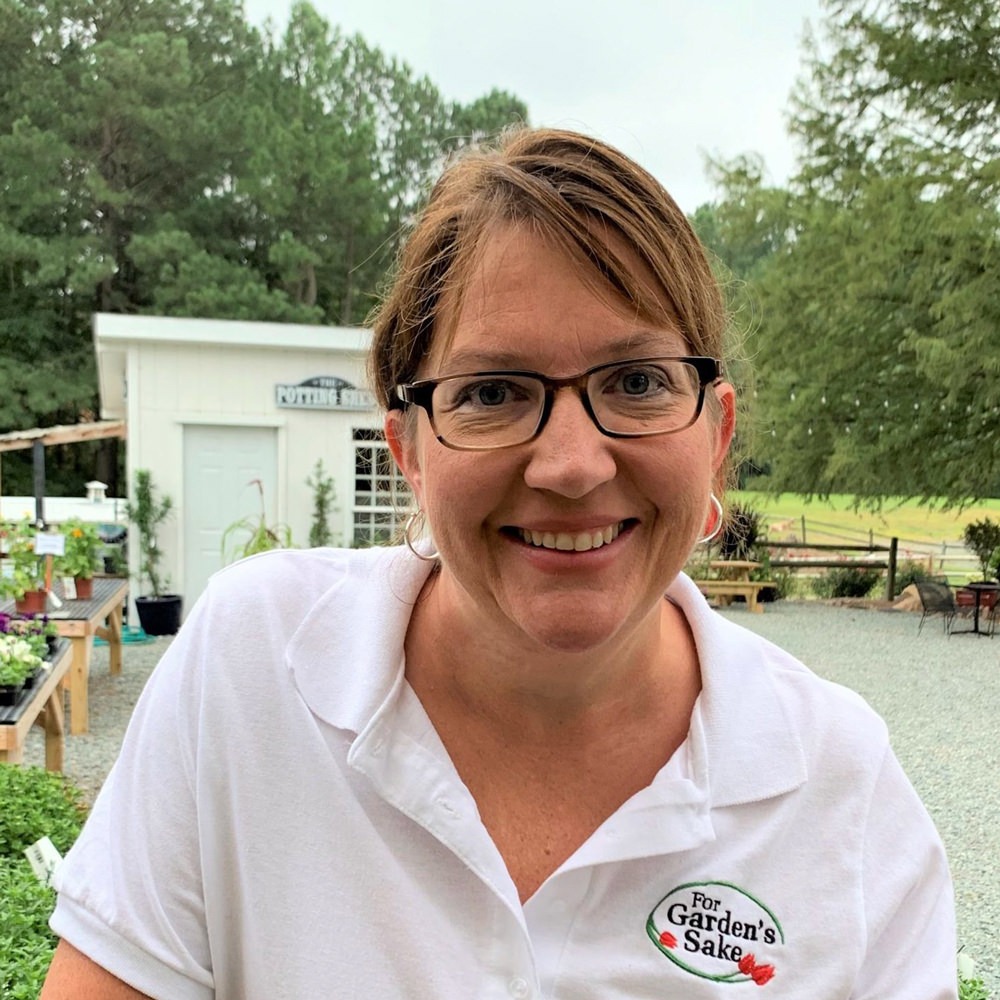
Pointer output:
x,y
519,988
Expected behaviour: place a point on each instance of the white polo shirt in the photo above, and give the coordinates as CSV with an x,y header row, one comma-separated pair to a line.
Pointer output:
x,y
285,822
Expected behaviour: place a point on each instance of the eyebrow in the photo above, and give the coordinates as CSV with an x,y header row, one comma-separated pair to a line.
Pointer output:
x,y
641,343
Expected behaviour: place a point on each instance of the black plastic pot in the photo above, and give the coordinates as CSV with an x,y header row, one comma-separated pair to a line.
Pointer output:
x,y
160,615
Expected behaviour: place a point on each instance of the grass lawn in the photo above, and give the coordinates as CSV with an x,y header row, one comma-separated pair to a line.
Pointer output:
x,y
907,520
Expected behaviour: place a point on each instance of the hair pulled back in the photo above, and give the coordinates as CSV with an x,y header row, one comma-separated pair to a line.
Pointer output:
x,y
582,195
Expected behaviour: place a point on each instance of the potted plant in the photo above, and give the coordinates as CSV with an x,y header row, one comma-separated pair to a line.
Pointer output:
x,y
159,612
24,577
80,556
983,537
258,535
18,662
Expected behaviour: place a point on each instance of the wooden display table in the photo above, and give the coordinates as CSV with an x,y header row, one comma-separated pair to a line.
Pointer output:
x,y
42,706
734,581
80,621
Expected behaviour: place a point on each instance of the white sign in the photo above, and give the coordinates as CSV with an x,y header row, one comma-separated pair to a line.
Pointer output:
x,y
323,392
44,857
50,545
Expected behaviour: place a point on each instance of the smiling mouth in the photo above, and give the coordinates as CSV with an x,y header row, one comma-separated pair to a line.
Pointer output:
x,y
572,541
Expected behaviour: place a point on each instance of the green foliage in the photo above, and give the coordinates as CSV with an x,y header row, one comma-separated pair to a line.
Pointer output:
x,y
908,573
324,493
848,581
167,157
25,570
742,531
82,546
878,272
147,511
972,989
983,537
252,534
36,803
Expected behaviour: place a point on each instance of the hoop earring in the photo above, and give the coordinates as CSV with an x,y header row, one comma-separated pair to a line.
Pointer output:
x,y
720,517
416,521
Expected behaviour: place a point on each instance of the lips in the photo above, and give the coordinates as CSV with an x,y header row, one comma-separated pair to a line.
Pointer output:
x,y
572,541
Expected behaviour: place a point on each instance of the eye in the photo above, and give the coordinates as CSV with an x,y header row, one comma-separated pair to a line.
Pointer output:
x,y
640,381
491,393
635,383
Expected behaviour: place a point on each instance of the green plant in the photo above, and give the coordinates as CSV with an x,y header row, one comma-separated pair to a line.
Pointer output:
x,y
983,537
25,570
260,536
324,493
742,532
849,581
36,804
147,512
908,573
82,545
972,989
18,658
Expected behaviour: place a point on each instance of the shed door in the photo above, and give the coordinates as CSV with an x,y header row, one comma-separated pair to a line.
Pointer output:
x,y
219,466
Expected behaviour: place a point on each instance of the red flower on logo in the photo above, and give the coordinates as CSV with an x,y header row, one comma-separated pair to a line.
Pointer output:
x,y
668,940
760,974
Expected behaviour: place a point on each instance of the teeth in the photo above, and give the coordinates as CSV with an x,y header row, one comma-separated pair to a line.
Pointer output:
x,y
563,541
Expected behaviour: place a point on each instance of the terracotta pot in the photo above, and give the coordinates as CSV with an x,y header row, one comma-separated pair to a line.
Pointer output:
x,y
34,602
84,588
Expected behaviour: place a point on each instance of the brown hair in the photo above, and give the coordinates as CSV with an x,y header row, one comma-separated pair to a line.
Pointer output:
x,y
579,192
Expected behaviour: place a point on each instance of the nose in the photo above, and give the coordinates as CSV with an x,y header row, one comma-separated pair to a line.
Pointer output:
x,y
571,456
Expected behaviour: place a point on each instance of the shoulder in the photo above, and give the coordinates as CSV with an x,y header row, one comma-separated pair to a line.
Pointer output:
x,y
279,589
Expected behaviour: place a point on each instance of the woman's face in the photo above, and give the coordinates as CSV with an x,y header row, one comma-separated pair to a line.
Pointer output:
x,y
526,307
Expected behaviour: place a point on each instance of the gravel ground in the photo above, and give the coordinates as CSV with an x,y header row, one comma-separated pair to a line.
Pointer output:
x,y
940,696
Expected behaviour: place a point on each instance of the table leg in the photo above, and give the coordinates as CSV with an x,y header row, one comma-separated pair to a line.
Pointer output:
x,y
79,674
55,733
114,640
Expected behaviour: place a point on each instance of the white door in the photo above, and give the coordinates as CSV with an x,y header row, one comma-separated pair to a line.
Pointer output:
x,y
220,466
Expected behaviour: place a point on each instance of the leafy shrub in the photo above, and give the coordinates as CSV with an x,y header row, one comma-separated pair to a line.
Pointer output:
x,y
742,529
983,537
36,803
971,989
847,581
908,573
26,942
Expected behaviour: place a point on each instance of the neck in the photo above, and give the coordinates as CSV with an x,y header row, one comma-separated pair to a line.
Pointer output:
x,y
501,677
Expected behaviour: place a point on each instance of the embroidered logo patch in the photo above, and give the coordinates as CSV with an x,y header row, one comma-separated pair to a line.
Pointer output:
x,y
717,931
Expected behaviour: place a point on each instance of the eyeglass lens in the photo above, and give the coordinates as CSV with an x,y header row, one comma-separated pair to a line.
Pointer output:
x,y
631,398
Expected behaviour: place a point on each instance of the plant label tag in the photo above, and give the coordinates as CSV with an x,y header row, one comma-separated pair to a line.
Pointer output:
x,y
50,545
43,857
69,588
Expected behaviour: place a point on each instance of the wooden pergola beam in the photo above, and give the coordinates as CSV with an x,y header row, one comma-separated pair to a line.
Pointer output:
x,y
66,434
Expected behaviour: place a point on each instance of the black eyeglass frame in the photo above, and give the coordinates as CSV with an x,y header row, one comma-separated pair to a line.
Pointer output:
x,y
421,392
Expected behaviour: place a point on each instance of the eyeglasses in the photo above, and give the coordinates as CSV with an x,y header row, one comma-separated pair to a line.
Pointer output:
x,y
478,411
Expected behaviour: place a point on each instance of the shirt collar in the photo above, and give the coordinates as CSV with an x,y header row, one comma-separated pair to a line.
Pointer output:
x,y
745,743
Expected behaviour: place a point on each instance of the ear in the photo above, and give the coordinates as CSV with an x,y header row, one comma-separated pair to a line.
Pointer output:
x,y
401,436
726,424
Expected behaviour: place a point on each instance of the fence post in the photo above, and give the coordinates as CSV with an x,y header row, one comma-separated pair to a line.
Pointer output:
x,y
803,527
890,581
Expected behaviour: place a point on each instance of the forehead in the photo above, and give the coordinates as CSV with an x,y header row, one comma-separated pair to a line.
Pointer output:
x,y
527,302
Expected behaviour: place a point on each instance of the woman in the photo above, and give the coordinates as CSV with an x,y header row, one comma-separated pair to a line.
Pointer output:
x,y
526,760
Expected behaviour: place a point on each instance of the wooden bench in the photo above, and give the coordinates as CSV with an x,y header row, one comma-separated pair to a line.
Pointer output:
x,y
41,705
725,590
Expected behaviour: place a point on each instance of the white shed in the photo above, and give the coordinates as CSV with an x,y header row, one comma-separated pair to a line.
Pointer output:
x,y
212,405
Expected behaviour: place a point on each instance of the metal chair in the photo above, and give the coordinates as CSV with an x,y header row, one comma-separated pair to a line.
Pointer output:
x,y
937,599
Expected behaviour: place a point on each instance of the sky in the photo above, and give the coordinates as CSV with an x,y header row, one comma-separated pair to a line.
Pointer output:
x,y
667,81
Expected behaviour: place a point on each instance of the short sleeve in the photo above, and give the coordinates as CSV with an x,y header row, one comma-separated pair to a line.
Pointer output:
x,y
908,898
130,889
